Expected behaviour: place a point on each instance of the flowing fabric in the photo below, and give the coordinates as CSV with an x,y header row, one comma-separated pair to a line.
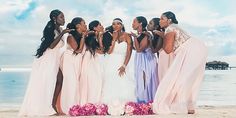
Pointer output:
x,y
117,90
146,75
91,79
40,90
180,85
71,73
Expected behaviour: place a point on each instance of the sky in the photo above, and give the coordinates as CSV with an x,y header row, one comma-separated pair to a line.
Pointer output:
x,y
22,22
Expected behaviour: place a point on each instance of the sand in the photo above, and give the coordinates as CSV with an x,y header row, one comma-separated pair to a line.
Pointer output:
x,y
201,112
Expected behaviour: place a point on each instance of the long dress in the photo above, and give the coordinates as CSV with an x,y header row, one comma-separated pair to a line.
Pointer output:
x,y
164,62
180,85
71,73
146,68
39,93
117,90
91,79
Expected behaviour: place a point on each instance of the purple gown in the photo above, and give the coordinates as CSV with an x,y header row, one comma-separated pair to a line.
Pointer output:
x,y
145,62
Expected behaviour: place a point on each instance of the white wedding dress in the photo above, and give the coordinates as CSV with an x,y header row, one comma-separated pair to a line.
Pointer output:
x,y
117,90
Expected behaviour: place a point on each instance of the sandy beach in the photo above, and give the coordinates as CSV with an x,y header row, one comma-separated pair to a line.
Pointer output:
x,y
201,112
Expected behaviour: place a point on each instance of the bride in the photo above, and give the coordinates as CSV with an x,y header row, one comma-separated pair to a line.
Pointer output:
x,y
119,85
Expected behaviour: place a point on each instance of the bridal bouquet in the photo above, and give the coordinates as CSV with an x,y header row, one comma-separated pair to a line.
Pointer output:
x,y
101,109
133,108
88,110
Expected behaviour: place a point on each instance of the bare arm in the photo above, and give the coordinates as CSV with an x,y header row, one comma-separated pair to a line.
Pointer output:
x,y
71,41
128,51
100,36
58,38
114,38
81,46
127,56
142,45
158,45
111,47
169,42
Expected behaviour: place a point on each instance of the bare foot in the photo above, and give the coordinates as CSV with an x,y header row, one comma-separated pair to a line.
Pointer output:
x,y
62,114
191,111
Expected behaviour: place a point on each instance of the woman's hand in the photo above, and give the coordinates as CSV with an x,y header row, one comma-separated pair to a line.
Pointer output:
x,y
133,35
66,31
121,70
161,34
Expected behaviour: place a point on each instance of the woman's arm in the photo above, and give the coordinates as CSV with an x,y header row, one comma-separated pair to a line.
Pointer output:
x,y
81,46
159,44
71,41
127,56
128,51
111,47
114,38
168,44
58,38
100,36
142,45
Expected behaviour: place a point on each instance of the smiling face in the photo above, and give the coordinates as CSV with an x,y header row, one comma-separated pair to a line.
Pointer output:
x,y
164,21
60,19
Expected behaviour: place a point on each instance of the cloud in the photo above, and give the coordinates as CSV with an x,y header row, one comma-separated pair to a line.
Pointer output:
x,y
26,12
24,20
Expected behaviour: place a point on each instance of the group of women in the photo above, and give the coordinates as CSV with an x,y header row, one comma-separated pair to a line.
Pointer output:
x,y
159,63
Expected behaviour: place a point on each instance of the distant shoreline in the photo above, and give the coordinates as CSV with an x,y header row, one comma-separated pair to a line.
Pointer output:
x,y
22,69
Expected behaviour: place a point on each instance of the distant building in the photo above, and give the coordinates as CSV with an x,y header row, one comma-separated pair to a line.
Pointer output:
x,y
217,65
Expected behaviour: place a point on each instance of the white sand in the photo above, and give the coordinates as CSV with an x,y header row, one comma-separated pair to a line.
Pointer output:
x,y
201,112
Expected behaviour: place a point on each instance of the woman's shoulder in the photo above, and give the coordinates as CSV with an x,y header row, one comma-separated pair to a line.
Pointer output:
x,y
172,28
126,34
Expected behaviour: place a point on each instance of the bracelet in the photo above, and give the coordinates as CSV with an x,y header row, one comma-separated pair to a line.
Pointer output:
x,y
124,66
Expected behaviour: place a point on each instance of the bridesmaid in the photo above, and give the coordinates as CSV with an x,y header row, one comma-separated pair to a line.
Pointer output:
x,y
39,94
91,74
157,41
164,60
97,27
145,62
72,63
179,87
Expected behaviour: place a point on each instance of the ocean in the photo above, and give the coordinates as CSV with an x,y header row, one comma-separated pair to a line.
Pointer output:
x,y
217,89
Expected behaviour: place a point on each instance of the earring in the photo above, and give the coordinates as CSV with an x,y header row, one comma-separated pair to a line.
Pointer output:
x,y
55,22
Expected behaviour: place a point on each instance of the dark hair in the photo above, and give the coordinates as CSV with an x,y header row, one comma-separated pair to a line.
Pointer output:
x,y
106,41
91,43
123,28
72,25
93,24
48,33
158,27
144,22
171,15
109,28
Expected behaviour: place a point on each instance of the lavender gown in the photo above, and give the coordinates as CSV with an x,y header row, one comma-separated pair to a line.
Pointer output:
x,y
145,63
